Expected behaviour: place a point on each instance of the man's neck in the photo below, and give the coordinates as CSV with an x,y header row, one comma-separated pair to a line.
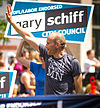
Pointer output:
x,y
59,54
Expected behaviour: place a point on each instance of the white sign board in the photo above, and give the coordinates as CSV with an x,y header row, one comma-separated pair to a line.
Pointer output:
x,y
43,18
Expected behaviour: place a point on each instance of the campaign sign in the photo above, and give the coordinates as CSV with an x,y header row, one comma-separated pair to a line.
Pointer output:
x,y
7,81
43,18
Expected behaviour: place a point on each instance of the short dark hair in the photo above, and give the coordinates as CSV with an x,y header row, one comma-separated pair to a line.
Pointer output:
x,y
89,52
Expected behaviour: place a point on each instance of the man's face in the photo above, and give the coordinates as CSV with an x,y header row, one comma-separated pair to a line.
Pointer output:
x,y
50,45
92,54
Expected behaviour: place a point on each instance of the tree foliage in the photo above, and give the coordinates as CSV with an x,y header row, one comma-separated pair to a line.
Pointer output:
x,y
3,25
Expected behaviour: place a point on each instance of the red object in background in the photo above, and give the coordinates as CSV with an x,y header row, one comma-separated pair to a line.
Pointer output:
x,y
93,87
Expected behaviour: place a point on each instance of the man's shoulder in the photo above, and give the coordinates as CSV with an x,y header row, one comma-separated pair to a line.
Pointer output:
x,y
72,59
69,57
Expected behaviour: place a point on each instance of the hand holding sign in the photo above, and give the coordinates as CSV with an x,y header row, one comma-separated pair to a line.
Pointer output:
x,y
8,14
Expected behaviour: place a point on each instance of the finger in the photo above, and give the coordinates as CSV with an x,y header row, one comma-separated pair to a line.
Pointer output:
x,y
9,8
6,14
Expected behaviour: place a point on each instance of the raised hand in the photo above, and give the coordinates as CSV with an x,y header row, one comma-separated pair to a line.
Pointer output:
x,y
8,14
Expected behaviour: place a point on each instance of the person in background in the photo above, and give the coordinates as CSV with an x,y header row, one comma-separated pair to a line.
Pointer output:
x,y
19,68
25,54
2,65
88,88
37,69
90,63
39,72
1,56
97,83
15,90
34,56
62,70
2,61
27,83
12,63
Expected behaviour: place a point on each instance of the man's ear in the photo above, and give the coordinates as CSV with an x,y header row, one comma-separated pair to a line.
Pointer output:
x,y
58,44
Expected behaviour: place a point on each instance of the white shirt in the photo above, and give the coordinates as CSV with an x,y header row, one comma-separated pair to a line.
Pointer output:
x,y
88,66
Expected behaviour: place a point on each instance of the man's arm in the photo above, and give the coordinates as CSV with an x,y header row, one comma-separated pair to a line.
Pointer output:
x,y
27,36
23,61
97,63
96,60
78,84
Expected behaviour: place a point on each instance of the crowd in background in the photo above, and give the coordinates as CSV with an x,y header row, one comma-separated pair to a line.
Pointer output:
x,y
25,80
